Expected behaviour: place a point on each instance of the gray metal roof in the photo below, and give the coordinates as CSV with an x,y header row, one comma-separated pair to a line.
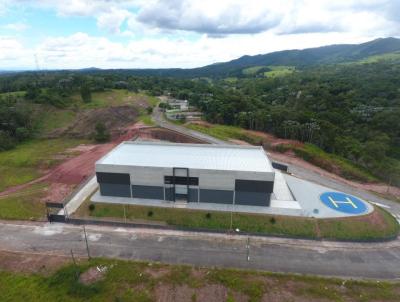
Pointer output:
x,y
192,156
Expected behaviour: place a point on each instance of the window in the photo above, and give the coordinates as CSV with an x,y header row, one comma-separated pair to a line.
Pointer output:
x,y
182,180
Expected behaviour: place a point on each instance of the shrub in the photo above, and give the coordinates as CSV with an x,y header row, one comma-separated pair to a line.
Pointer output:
x,y
102,135
92,207
272,220
150,213
208,215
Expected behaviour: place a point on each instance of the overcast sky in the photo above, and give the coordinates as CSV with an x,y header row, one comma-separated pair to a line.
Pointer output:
x,y
52,34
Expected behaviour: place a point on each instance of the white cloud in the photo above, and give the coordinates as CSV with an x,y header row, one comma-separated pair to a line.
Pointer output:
x,y
113,19
181,33
12,53
81,50
19,26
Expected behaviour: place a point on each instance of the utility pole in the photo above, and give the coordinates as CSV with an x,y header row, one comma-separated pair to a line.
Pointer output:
x,y
231,221
248,248
87,244
76,266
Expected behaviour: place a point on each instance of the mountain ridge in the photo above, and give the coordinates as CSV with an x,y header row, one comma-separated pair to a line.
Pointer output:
x,y
299,58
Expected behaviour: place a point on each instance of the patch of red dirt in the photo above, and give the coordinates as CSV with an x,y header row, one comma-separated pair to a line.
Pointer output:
x,y
66,176
71,172
91,276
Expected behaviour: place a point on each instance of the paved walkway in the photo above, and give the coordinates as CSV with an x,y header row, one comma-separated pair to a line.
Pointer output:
x,y
278,207
76,201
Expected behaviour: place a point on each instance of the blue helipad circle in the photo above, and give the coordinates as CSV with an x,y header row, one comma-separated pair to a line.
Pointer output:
x,y
344,203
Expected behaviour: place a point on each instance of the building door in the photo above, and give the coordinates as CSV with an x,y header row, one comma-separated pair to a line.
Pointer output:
x,y
181,184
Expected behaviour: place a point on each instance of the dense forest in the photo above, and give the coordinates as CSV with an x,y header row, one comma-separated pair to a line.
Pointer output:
x,y
352,110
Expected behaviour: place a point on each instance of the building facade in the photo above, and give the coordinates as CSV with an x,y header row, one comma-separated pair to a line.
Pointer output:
x,y
240,175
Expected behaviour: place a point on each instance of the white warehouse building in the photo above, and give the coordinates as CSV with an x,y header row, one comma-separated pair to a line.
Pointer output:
x,y
225,174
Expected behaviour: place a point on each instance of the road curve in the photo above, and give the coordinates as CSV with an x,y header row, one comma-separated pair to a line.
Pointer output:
x,y
350,260
158,118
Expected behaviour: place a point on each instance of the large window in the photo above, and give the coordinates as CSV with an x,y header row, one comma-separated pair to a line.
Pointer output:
x,y
182,180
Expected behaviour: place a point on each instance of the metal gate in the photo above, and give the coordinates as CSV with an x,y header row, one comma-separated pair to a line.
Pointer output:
x,y
53,212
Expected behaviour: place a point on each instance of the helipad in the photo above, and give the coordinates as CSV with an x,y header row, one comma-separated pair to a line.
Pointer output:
x,y
344,203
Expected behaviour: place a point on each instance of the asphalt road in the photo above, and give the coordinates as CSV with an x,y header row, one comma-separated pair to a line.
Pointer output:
x,y
158,118
380,261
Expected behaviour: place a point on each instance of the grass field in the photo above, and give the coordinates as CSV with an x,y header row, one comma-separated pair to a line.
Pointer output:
x,y
51,119
329,162
224,132
370,227
130,281
308,152
275,71
25,162
114,97
279,71
24,204
146,119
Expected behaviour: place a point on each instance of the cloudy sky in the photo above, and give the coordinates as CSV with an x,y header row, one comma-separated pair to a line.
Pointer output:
x,y
52,34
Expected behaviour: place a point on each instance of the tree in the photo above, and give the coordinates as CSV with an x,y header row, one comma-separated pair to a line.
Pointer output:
x,y
102,135
86,94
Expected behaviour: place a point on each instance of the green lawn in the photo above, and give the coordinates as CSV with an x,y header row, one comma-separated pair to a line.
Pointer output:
x,y
131,281
24,163
24,205
356,228
383,225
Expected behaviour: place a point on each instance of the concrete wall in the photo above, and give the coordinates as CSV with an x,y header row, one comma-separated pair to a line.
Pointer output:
x,y
215,186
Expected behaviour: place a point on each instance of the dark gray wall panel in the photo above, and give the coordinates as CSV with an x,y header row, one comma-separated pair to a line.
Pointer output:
x,y
115,190
148,192
254,186
113,178
193,195
216,196
252,198
169,194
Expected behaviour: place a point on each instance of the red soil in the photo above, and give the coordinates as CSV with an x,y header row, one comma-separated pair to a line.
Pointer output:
x,y
63,178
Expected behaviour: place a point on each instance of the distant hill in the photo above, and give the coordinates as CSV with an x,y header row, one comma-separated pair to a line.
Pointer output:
x,y
332,54
299,58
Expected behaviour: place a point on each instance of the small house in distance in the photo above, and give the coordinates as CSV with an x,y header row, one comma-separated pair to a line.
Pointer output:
x,y
181,105
170,172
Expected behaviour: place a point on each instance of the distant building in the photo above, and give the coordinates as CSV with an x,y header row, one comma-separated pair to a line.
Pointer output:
x,y
240,175
182,105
